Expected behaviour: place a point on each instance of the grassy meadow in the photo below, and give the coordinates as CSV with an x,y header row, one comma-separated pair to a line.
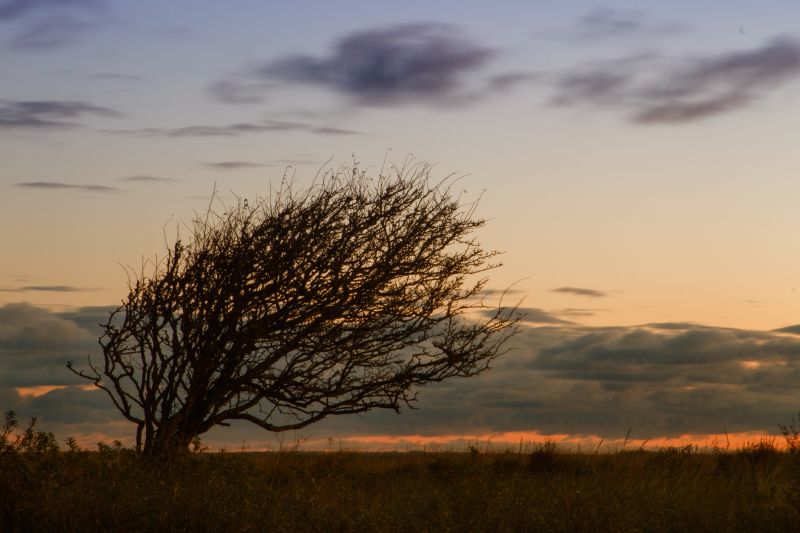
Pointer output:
x,y
42,488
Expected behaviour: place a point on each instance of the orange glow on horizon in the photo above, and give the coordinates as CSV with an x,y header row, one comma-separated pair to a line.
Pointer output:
x,y
527,440
510,441
40,390
754,365
37,390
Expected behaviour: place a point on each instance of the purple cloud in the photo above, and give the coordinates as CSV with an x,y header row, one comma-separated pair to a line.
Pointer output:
x,y
422,62
611,23
578,291
12,9
48,114
651,91
236,129
48,24
58,185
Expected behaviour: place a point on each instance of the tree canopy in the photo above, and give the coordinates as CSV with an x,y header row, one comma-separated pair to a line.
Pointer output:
x,y
340,298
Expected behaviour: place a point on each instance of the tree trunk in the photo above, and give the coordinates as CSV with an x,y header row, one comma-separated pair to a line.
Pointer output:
x,y
168,444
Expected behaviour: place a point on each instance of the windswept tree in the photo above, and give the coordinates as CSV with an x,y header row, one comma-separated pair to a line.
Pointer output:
x,y
282,311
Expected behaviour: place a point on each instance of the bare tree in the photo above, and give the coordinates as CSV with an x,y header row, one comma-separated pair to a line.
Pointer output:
x,y
283,311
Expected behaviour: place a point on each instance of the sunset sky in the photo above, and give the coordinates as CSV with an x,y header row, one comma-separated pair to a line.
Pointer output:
x,y
637,163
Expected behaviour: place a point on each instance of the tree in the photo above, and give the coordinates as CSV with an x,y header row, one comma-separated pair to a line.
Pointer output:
x,y
338,299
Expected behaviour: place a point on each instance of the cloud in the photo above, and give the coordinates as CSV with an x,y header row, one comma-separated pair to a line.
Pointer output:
x,y
88,317
48,24
790,329
591,293
73,405
227,130
660,380
678,378
148,179
233,165
410,63
612,23
717,84
501,292
13,9
330,130
603,83
47,288
507,80
243,91
578,312
49,33
58,185
35,344
73,410
652,91
533,315
236,129
240,165
48,114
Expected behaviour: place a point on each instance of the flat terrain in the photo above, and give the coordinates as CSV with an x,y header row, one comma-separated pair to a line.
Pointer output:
x,y
753,489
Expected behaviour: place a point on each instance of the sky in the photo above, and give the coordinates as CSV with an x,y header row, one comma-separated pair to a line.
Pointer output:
x,y
635,161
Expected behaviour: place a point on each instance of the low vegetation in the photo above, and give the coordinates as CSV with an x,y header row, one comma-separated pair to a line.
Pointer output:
x,y
538,488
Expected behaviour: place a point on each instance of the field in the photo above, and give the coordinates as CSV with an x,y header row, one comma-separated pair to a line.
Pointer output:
x,y
756,488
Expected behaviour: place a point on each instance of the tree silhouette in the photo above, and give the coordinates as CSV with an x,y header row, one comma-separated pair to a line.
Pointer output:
x,y
338,299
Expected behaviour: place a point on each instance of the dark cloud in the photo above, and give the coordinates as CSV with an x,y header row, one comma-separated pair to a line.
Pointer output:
x,y
578,312
73,410
239,165
591,293
504,292
790,329
148,179
651,91
232,129
47,288
612,23
48,114
658,379
533,315
74,405
501,82
602,381
715,85
236,129
233,165
411,63
58,185
48,24
49,33
35,344
13,9
690,378
330,130
89,318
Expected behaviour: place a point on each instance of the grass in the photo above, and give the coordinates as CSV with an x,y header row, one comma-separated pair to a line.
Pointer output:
x,y
45,489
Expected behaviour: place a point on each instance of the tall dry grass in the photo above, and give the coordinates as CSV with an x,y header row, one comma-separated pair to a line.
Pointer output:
x,y
542,489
